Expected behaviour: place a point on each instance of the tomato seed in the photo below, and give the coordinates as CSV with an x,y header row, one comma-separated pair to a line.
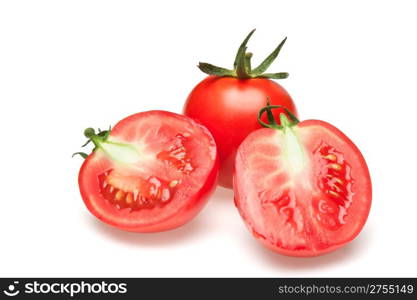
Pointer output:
x,y
147,193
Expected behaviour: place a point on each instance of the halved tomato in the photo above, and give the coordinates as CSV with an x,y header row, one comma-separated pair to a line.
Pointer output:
x,y
303,189
154,171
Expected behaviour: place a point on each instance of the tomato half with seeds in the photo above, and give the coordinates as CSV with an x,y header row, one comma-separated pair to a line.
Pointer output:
x,y
302,188
153,171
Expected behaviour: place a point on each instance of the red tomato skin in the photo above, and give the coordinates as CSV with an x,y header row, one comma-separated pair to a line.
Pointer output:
x,y
228,107
89,190
365,190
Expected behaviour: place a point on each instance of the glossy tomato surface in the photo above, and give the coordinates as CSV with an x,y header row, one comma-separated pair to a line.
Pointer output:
x,y
228,107
304,190
154,172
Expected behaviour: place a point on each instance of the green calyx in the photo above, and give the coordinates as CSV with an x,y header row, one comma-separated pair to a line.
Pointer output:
x,y
242,68
272,123
121,153
97,139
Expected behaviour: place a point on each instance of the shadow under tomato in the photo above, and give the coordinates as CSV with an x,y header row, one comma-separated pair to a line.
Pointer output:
x,y
181,234
348,252
193,229
224,194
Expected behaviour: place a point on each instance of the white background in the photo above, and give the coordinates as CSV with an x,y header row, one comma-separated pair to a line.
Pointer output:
x,y
68,65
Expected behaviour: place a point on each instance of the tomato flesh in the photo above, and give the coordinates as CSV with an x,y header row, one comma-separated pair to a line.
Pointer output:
x,y
228,108
304,190
154,173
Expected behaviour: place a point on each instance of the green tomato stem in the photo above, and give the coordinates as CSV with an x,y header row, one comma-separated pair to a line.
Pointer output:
x,y
242,68
272,123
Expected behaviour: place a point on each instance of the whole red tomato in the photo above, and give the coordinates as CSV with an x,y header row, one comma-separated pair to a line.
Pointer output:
x,y
227,103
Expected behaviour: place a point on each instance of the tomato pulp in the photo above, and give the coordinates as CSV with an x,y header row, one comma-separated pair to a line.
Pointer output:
x,y
228,107
153,172
303,189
